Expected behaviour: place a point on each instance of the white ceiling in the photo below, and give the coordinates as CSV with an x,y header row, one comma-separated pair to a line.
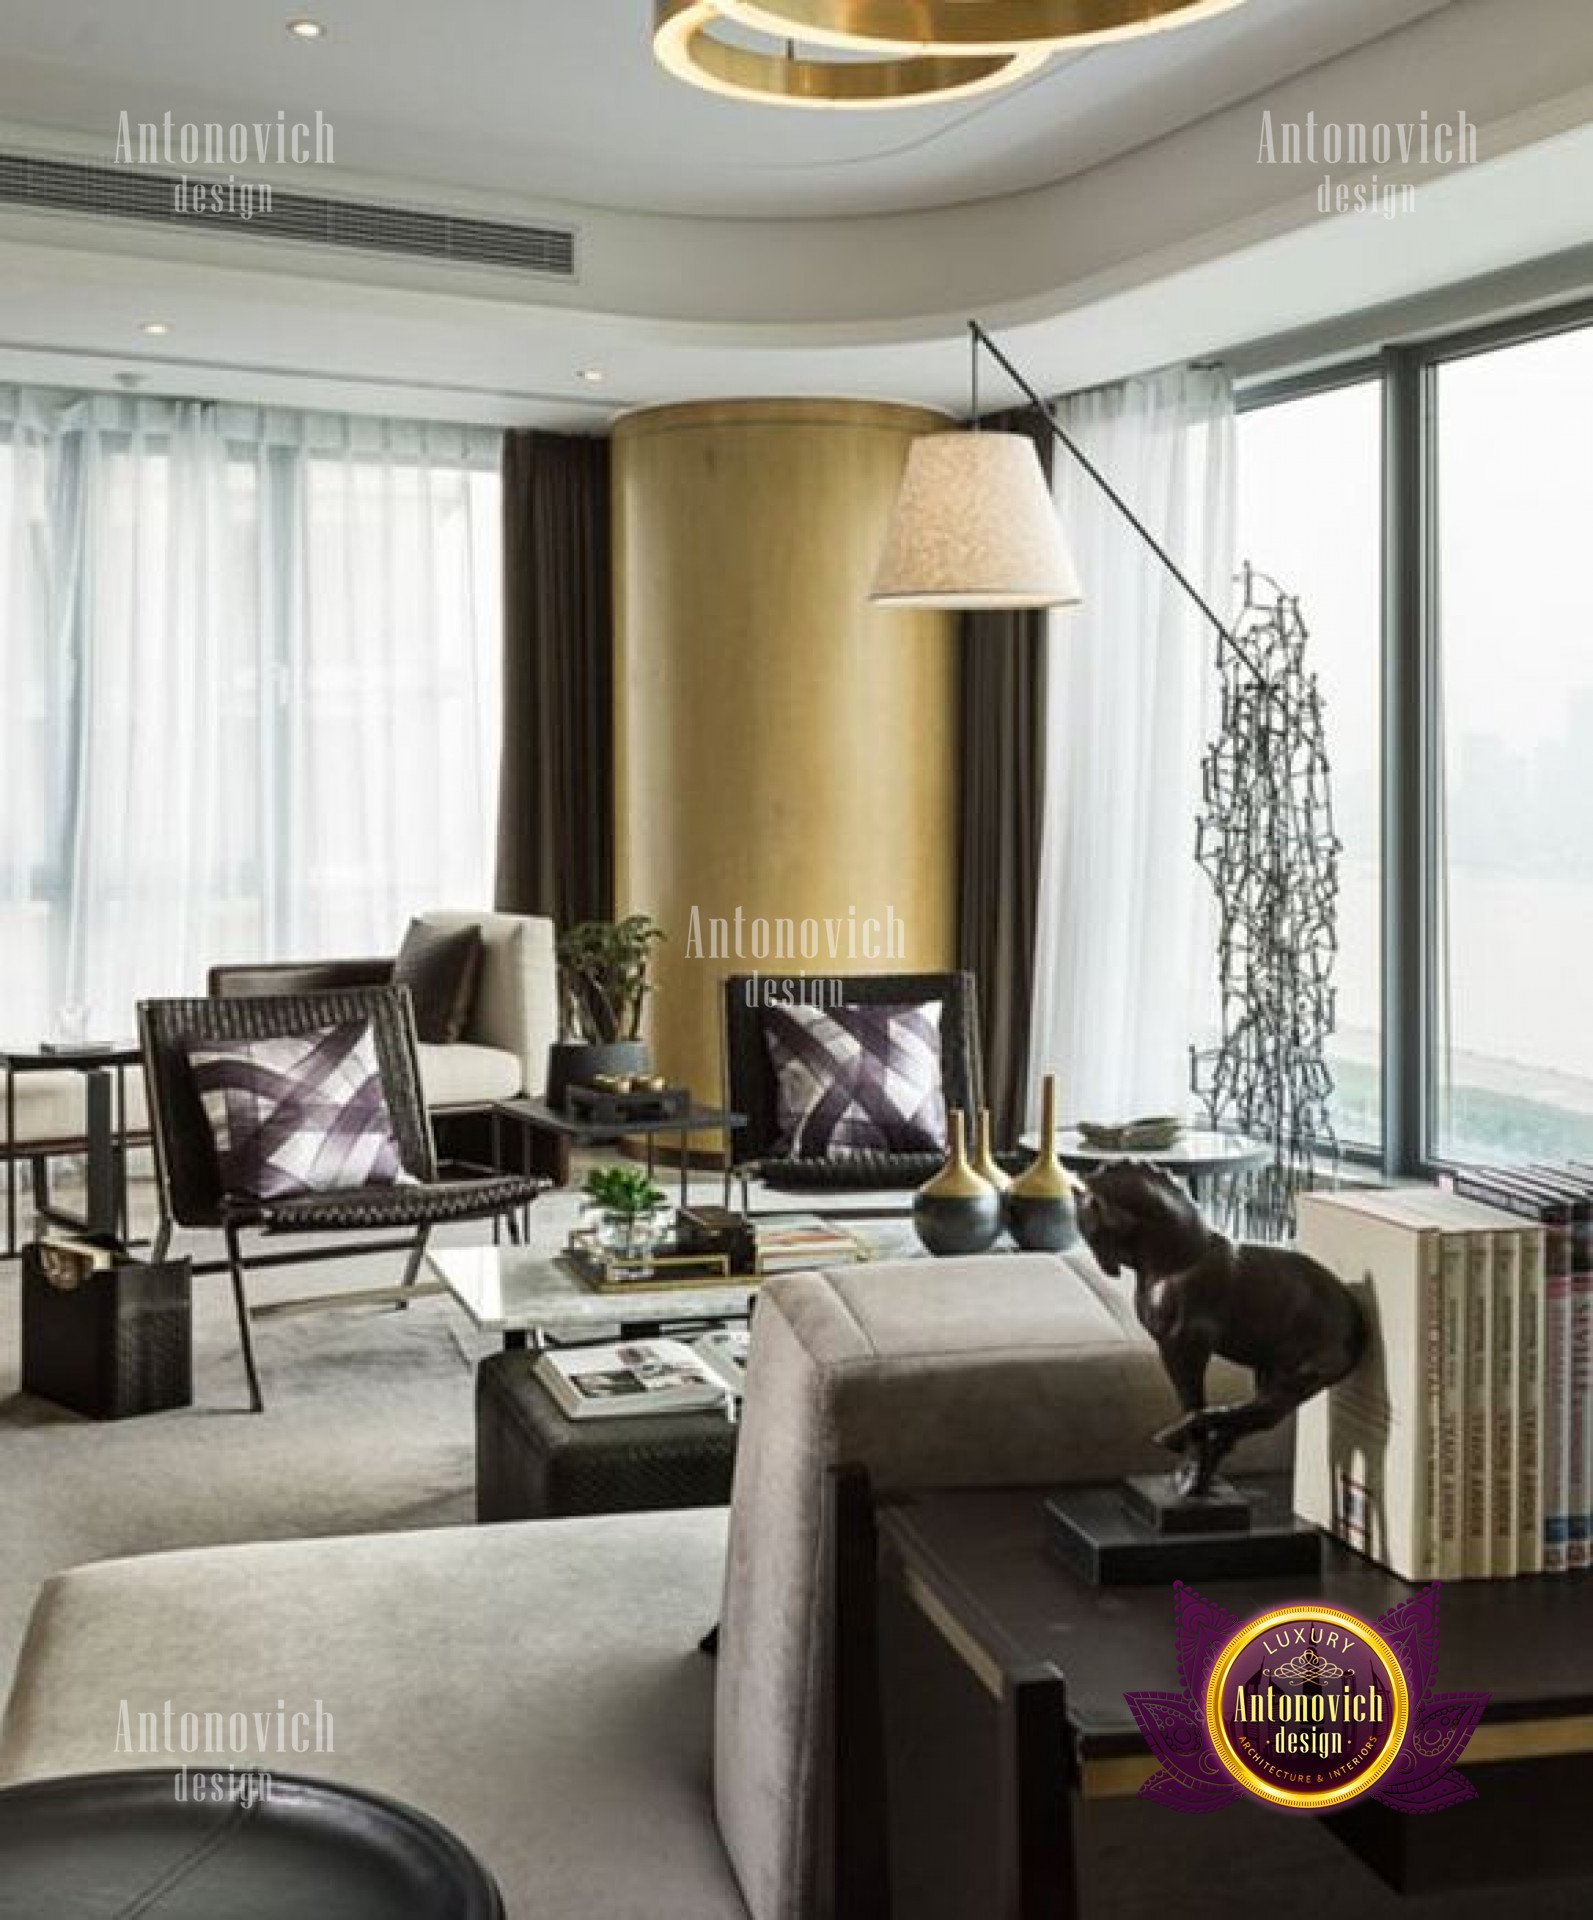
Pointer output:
x,y
1110,218
561,99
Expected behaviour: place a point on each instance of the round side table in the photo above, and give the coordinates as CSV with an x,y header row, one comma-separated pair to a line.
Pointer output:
x,y
1214,1166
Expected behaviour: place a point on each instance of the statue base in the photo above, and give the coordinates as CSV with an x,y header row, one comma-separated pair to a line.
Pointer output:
x,y
1141,1532
1154,1498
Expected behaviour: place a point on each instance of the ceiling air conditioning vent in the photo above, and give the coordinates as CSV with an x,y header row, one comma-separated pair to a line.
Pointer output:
x,y
145,193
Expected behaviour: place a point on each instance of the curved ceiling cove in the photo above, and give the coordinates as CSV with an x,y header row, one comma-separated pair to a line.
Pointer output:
x,y
529,109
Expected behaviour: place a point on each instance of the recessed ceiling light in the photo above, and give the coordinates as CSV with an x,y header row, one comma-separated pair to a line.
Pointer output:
x,y
156,329
306,29
593,376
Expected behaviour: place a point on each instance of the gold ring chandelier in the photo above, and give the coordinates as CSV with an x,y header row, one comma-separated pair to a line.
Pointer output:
x,y
906,52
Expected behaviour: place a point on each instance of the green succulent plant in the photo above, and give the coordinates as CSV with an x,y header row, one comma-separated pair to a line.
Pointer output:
x,y
624,1190
603,981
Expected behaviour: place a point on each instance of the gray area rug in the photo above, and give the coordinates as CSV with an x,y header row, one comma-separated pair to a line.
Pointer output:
x,y
368,1425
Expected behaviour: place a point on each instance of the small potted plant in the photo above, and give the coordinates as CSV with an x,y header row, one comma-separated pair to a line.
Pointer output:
x,y
630,1211
603,989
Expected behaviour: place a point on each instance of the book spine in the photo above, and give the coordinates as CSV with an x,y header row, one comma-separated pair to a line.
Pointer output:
x,y
1429,1444
1505,1491
1529,1402
1556,1400
1478,1428
1452,1413
1579,1440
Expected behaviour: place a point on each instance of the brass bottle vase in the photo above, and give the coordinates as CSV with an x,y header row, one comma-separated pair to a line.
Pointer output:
x,y
1039,1208
957,1212
983,1157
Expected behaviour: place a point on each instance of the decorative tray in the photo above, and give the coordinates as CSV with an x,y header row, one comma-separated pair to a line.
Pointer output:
x,y
669,1265
604,1105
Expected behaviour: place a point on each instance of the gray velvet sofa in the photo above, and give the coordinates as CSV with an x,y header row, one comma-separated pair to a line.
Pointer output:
x,y
538,1686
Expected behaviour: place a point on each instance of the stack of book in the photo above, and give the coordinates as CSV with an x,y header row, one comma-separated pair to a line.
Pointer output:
x,y
631,1378
1462,1446
799,1242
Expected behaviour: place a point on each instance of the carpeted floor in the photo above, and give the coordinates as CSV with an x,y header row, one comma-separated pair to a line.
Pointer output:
x,y
368,1425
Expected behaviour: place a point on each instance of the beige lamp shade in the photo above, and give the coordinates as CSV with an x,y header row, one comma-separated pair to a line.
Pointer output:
x,y
974,525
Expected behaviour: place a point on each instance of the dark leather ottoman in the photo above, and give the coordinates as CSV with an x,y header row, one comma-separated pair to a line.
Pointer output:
x,y
533,1463
107,1846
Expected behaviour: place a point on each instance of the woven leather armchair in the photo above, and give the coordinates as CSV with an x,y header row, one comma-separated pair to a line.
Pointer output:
x,y
751,1086
188,1176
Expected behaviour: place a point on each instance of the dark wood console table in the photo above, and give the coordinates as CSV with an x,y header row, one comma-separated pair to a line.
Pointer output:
x,y
1004,1678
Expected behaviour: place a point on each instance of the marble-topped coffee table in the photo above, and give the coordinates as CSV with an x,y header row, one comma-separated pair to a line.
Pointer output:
x,y
530,1296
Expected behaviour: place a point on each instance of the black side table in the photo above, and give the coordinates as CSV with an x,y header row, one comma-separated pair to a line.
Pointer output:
x,y
537,1117
106,1845
104,1071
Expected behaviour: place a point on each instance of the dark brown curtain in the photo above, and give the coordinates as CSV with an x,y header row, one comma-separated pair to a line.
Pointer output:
x,y
1003,796
556,793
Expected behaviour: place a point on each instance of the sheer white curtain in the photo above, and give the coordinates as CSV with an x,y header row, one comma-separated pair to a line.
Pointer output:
x,y
1124,964
252,663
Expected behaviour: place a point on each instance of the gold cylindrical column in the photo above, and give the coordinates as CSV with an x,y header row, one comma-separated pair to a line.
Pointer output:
x,y
786,754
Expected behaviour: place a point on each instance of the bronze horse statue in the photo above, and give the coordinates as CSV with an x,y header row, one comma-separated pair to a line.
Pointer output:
x,y
1272,1309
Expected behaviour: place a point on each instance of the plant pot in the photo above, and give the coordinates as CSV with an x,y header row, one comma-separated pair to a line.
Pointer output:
x,y
577,1063
630,1236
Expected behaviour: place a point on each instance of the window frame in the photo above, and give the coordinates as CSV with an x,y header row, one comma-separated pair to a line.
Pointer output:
x,y
1412,748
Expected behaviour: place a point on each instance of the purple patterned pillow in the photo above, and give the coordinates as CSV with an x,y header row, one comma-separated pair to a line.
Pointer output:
x,y
856,1080
301,1113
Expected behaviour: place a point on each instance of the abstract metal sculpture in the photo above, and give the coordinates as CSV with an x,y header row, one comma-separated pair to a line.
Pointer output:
x,y
1276,1311
1266,842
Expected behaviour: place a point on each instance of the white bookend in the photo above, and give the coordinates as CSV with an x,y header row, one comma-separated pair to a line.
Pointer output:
x,y
1466,1476
1366,1458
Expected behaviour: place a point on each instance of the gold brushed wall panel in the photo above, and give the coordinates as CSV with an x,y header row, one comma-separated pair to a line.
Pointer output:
x,y
781,746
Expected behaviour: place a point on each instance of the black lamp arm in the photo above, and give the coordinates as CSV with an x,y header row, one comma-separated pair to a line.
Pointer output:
x,y
982,340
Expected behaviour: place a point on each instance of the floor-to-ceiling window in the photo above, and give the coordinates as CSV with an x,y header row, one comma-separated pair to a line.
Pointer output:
x,y
252,670
1310,516
1514,505
1465,806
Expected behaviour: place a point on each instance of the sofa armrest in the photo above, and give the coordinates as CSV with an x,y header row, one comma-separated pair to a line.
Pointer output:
x,y
252,979
517,998
1005,1370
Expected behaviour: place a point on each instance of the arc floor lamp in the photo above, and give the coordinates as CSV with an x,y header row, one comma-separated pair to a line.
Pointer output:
x,y
974,525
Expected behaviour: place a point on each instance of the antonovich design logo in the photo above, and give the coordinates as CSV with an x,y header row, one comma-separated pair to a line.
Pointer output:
x,y
1307,1708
